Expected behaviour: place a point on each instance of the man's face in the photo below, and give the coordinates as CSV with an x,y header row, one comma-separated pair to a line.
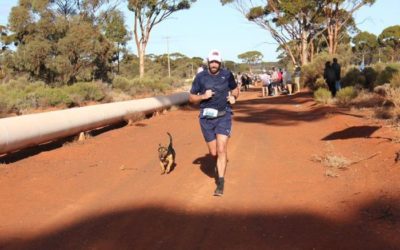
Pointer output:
x,y
214,67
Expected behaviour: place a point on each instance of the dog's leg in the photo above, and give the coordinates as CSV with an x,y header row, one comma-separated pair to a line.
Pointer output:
x,y
170,162
162,167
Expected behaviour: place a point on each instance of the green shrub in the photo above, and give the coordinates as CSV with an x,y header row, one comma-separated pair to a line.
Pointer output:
x,y
19,83
353,77
53,97
345,95
370,75
121,83
4,105
386,75
312,71
137,86
322,95
88,91
395,81
319,83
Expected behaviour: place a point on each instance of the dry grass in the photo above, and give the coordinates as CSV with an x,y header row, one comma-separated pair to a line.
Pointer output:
x,y
174,108
332,161
393,95
135,117
367,100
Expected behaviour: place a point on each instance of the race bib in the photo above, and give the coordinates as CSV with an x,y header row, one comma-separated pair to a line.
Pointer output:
x,y
209,112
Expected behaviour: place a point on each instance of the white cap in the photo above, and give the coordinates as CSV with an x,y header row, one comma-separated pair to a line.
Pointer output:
x,y
214,55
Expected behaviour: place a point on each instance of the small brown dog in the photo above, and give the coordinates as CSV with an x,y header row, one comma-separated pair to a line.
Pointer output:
x,y
166,156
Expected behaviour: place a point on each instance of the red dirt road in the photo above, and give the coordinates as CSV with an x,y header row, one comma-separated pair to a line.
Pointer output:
x,y
107,193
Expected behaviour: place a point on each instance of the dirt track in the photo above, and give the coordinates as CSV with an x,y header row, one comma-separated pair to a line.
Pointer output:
x,y
107,193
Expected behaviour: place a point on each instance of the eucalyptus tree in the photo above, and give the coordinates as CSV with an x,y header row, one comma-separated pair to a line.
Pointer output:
x,y
338,18
390,38
251,57
54,44
147,14
4,39
296,24
67,8
286,21
365,45
115,30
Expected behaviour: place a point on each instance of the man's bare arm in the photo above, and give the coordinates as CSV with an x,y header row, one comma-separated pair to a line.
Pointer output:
x,y
198,98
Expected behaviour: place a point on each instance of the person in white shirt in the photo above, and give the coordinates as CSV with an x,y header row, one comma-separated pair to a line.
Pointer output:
x,y
266,80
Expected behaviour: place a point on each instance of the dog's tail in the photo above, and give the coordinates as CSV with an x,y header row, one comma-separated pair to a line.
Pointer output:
x,y
170,138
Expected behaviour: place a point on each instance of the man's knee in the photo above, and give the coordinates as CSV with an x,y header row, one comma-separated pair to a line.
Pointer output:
x,y
221,149
213,153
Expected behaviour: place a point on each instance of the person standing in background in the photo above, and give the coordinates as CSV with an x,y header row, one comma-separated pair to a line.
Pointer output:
x,y
287,81
336,68
296,77
330,78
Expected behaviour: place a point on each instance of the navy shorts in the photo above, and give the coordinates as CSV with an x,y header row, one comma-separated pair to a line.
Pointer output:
x,y
211,127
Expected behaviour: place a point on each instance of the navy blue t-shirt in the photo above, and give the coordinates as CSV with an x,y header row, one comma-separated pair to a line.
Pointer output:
x,y
220,84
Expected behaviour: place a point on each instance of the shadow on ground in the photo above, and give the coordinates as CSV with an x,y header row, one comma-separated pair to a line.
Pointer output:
x,y
35,150
207,165
374,226
352,132
263,110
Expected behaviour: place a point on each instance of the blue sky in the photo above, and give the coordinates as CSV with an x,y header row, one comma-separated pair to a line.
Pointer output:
x,y
208,25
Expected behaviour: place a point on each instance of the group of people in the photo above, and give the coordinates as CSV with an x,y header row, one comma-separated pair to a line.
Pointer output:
x,y
274,82
332,76
280,81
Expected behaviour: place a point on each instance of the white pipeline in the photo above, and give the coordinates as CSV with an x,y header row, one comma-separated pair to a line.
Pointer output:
x,y
28,130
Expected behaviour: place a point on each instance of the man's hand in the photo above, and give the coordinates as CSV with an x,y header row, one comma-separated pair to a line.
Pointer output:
x,y
231,99
208,94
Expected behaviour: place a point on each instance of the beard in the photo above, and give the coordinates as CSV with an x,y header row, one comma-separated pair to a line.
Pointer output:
x,y
214,69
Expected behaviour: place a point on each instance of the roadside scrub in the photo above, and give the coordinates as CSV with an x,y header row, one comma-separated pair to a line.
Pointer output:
x,y
21,96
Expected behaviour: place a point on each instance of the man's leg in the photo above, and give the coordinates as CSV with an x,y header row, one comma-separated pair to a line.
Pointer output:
x,y
222,142
221,147
297,82
289,87
212,147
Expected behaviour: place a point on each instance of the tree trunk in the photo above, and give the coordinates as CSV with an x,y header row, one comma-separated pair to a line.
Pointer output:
x,y
335,39
312,51
330,41
289,52
141,61
304,48
118,54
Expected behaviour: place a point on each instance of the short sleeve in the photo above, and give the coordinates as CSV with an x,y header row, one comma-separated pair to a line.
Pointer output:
x,y
195,86
232,83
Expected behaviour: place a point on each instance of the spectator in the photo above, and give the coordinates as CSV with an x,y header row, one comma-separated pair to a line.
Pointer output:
x,y
266,80
336,68
246,80
202,67
296,76
287,81
239,80
274,82
330,78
